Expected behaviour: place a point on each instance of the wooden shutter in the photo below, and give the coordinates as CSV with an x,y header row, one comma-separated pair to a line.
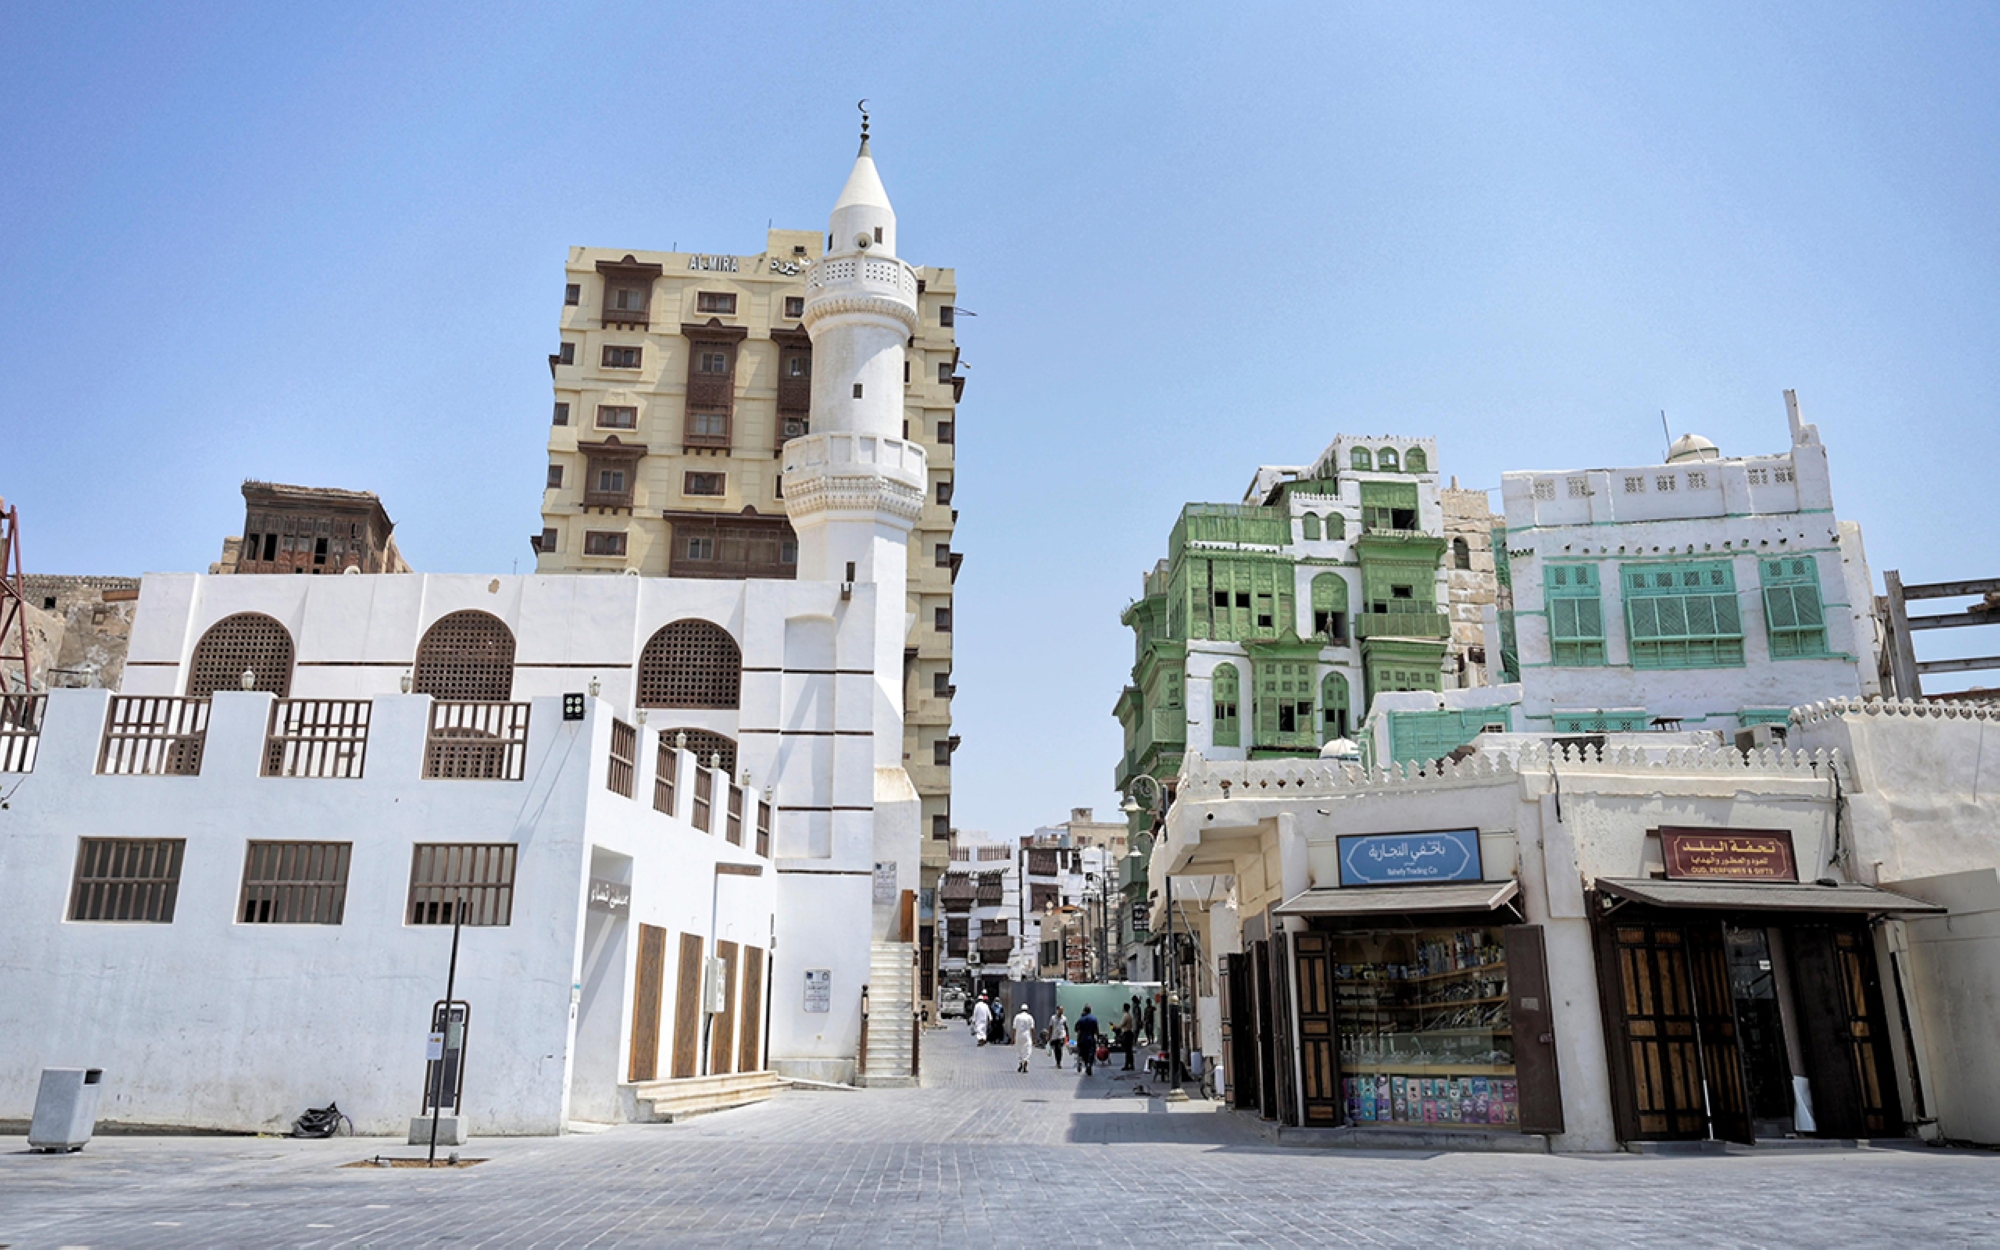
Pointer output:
x,y
687,1009
1263,1019
1722,1059
1531,1016
1838,995
1281,1021
644,1064
752,1047
1319,1058
722,1031
1241,1038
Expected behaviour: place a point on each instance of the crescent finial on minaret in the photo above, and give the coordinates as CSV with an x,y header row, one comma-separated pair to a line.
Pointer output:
x,y
862,104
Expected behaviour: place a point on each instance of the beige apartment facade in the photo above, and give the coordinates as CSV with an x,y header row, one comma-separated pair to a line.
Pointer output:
x,y
678,378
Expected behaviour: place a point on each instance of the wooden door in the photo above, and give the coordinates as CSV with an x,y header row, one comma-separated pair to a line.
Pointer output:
x,y
687,1009
1319,1056
1281,1019
722,1030
1261,1021
1650,1025
1239,1039
1715,1014
751,1048
1839,1010
647,982
1531,1016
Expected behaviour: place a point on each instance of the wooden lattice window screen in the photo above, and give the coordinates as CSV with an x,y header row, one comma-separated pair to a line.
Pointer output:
x,y
624,758
477,742
704,805
317,738
763,828
20,731
478,875
705,743
153,736
735,834
666,775
691,664
127,879
295,883
468,656
247,640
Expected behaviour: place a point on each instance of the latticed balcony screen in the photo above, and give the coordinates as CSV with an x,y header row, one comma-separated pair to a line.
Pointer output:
x,y
295,883
623,765
247,640
317,738
153,736
475,877
477,742
127,879
666,775
466,656
691,664
20,731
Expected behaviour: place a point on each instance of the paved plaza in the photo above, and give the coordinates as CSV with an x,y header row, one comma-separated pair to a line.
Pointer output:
x,y
979,1156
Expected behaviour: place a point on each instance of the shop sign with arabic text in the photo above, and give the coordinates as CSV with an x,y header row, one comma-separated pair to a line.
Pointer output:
x,y
1730,854
1409,858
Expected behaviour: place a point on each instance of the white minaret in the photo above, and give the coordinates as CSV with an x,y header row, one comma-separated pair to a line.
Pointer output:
x,y
854,486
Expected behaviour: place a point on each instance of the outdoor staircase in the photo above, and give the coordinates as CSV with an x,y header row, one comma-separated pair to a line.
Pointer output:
x,y
669,1102
892,999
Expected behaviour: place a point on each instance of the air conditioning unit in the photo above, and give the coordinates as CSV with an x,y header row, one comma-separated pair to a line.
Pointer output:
x,y
1761,738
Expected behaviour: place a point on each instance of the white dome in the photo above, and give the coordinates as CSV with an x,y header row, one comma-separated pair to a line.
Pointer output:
x,y
1692,447
1340,749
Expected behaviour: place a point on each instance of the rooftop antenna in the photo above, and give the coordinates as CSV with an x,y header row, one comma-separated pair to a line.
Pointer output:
x,y
862,104
1668,432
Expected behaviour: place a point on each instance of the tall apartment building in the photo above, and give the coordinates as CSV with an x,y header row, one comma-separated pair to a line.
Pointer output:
x,y
679,377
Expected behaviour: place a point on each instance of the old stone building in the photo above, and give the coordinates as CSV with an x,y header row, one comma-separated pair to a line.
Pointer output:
x,y
78,628
1468,562
311,529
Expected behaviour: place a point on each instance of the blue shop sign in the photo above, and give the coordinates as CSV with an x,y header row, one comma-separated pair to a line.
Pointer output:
x,y
1409,858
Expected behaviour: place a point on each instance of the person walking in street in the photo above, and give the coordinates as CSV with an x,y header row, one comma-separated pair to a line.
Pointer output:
x,y
1087,1034
982,1020
1058,1035
1024,1037
1127,1035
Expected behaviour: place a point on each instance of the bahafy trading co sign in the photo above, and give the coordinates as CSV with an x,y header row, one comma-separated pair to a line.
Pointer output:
x,y
1409,858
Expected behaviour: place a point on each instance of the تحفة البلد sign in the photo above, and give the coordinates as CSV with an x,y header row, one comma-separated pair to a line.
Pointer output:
x,y
1426,858
1728,854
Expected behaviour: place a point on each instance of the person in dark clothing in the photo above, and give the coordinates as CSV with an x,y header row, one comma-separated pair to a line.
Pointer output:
x,y
1126,1035
1087,1033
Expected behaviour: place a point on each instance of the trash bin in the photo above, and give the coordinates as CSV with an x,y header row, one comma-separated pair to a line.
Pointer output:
x,y
65,1109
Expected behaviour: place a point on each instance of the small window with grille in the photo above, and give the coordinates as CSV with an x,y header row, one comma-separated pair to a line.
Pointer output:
x,y
711,362
562,414
715,302
472,881
295,883
572,293
601,543
617,417
702,484
620,357
129,880
795,305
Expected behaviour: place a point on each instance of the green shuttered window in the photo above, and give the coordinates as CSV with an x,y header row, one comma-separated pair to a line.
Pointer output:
x,y
1228,723
1576,615
1683,615
1793,615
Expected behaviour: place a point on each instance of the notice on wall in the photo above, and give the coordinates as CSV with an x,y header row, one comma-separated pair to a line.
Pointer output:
x,y
885,884
1409,858
1728,854
612,897
819,989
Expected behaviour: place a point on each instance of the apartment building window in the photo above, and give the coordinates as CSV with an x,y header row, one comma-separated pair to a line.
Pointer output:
x,y
562,414
788,549
706,428
701,549
941,752
941,828
1794,617
795,305
548,540
294,883
715,302
628,296
944,431
798,364
555,477
1228,693
944,491
469,881
711,362
610,481
1576,616
906,373
702,484
126,879
946,315
1683,615
603,543
942,555
941,683
617,417
941,620
572,294
566,354
620,357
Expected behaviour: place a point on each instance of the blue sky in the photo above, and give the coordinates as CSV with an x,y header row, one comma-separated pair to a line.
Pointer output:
x,y
326,247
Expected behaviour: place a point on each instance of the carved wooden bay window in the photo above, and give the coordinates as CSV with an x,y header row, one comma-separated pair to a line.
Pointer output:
x,y
711,383
708,544
628,291
611,472
794,384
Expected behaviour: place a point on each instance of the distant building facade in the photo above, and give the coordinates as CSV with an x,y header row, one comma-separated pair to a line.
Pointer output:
x,y
311,529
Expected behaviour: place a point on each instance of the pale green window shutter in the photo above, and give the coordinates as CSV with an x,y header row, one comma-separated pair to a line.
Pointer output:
x,y
1228,730
1576,615
1794,617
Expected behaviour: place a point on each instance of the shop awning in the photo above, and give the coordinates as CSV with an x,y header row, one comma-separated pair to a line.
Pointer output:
x,y
1763,896
1458,896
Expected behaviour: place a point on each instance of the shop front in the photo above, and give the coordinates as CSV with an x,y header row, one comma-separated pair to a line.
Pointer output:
x,y
1741,1003
1422,999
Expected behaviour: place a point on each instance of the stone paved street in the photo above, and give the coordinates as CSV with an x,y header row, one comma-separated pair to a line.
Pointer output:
x,y
979,1156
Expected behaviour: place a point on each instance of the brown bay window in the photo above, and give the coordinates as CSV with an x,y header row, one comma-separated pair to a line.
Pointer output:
x,y
611,470
628,292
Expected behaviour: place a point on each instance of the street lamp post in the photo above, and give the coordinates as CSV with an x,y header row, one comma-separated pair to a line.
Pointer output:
x,y
1146,794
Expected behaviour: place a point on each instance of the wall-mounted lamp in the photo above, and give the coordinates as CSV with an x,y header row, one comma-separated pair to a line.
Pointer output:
x,y
640,716
595,686
405,681
249,679
681,740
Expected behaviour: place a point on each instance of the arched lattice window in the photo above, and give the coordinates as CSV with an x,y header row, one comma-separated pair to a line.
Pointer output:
x,y
1336,525
246,640
690,664
704,743
1385,460
1309,527
466,655
1228,722
1461,554
1360,459
1333,699
1414,461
